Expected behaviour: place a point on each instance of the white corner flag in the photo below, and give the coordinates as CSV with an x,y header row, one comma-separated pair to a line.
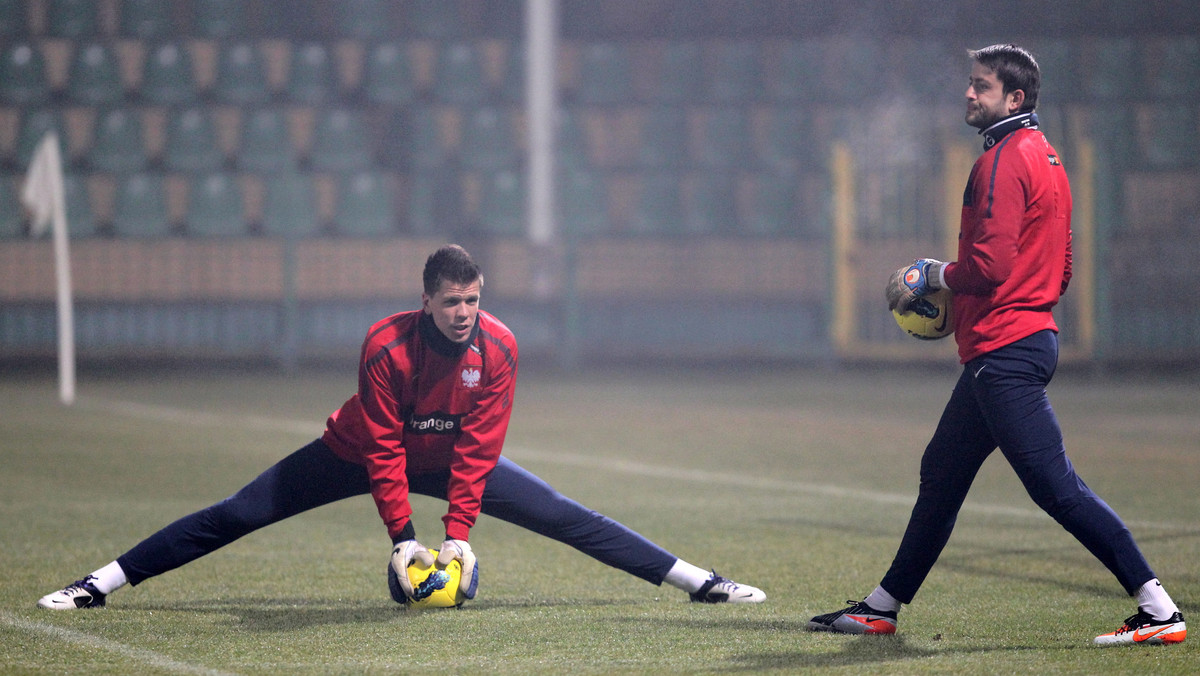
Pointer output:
x,y
43,196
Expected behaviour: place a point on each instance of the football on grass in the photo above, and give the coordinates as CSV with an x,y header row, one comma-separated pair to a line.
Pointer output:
x,y
929,317
434,586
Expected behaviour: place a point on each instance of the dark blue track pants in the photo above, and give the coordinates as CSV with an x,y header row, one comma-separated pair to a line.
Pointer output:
x,y
315,476
1000,401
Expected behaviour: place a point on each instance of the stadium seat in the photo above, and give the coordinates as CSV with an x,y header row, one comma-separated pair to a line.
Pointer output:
x,y
512,87
241,75
1168,136
117,144
23,75
94,78
735,72
219,19
365,20
265,143
146,19
788,142
414,139
434,202
711,204
311,75
681,73
81,220
215,206
10,209
1113,71
435,18
340,141
290,205
167,78
725,138
663,138
583,203
572,146
388,75
73,19
459,77
33,126
14,23
141,207
502,206
487,140
605,74
191,144
366,205
1175,68
657,210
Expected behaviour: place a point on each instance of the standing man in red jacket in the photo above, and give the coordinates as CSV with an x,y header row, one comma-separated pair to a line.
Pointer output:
x,y
1014,261
435,392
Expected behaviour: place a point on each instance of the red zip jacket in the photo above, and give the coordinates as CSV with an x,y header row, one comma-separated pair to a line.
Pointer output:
x,y
1014,246
426,404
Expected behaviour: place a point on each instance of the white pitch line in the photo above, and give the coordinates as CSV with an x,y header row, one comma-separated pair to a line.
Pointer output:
x,y
147,657
618,465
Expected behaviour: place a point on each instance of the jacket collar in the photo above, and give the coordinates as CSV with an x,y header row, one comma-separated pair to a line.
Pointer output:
x,y
439,343
993,134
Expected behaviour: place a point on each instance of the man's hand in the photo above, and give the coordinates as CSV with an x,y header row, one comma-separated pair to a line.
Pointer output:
x,y
403,554
908,283
459,549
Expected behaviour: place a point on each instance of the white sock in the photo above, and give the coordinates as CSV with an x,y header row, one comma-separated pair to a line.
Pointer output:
x,y
687,577
1154,600
880,599
109,578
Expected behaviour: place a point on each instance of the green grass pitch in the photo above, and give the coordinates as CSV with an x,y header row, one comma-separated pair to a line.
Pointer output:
x,y
795,480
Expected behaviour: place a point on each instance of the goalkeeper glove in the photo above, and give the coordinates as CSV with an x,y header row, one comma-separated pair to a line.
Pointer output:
x,y
403,555
459,549
910,282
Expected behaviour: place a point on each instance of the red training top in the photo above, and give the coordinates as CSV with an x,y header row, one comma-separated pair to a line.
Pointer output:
x,y
1014,246
425,404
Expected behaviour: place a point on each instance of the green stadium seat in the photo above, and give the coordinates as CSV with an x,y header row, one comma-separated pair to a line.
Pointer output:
x,y
681,73
167,78
33,126
219,19
572,145
290,205
23,75
215,206
241,76
118,145
725,138
502,206
413,139
340,141
141,206
773,204
265,143
663,137
583,203
435,18
388,77
434,202
146,19
72,19
735,72
488,141
512,87
191,144
10,210
94,78
795,77
311,75
605,74
657,208
788,141
366,205
711,206
365,20
81,221
14,23
459,77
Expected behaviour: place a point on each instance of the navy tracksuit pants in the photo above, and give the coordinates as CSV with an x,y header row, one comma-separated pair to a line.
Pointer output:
x,y
315,476
1000,401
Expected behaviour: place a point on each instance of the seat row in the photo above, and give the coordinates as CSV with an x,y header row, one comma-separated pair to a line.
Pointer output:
x,y
375,204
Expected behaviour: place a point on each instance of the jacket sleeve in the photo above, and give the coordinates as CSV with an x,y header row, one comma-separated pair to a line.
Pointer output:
x,y
999,197
384,456
481,440
1068,265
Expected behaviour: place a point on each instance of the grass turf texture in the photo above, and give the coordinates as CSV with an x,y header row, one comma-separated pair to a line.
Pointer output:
x,y
796,481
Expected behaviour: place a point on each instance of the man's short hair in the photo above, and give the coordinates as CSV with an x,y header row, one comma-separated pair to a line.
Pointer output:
x,y
451,263
1016,69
